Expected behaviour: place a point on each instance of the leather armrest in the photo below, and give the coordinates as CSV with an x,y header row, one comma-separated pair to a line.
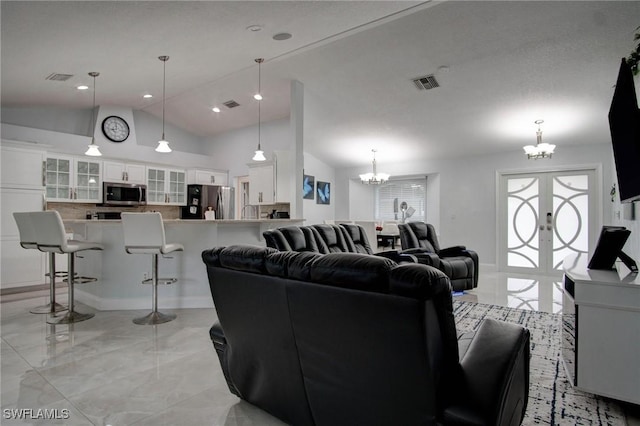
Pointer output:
x,y
423,257
398,257
495,377
453,251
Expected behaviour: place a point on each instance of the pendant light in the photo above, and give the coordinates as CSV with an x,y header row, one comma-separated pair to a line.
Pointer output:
x,y
163,144
259,155
540,150
93,149
374,178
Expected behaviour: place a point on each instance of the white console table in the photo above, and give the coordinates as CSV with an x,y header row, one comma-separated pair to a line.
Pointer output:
x,y
601,329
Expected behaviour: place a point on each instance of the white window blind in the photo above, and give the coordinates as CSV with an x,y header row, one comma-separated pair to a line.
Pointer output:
x,y
390,195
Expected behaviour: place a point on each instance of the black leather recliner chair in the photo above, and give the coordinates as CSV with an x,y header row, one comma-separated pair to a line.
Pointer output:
x,y
458,263
353,339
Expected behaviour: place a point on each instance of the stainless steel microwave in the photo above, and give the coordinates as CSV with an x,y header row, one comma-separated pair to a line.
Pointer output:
x,y
124,194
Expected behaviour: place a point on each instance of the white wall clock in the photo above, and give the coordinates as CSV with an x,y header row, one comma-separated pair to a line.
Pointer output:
x,y
115,128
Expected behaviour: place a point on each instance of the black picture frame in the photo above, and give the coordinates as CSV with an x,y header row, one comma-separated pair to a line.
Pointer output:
x,y
308,187
323,190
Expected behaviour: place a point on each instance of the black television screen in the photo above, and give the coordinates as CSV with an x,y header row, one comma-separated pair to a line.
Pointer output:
x,y
624,124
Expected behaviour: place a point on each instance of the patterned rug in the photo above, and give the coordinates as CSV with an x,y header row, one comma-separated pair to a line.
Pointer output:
x,y
552,400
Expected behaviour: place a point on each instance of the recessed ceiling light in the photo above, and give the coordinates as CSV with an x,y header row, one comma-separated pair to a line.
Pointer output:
x,y
82,87
282,36
148,95
257,97
254,28
215,109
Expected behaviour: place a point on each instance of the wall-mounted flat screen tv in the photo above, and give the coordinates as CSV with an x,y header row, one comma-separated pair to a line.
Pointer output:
x,y
624,124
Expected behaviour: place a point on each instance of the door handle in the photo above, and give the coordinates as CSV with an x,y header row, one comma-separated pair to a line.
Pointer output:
x,y
549,221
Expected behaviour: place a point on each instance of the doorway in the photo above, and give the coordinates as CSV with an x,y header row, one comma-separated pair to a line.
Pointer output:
x,y
545,216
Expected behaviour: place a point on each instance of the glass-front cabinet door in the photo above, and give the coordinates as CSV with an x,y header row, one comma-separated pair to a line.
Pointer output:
x,y
177,187
156,186
87,183
58,179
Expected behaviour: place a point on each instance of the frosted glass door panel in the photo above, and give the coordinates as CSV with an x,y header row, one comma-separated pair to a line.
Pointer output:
x,y
523,212
571,217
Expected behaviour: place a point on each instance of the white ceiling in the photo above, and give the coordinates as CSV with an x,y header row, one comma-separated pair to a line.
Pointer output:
x,y
510,63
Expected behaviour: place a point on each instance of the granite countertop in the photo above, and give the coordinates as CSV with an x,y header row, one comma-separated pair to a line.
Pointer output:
x,y
195,221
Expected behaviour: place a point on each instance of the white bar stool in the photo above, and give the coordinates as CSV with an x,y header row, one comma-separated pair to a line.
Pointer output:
x,y
28,240
52,239
144,234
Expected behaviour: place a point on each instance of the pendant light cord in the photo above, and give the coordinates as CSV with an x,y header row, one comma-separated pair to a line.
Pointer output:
x,y
259,61
164,84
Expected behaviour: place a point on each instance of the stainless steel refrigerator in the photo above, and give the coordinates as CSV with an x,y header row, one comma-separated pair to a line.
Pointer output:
x,y
201,198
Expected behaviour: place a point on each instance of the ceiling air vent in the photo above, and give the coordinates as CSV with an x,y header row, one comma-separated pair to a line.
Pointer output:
x,y
231,104
427,82
58,77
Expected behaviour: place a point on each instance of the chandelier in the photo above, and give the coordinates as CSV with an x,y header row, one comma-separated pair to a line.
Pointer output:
x,y
541,149
374,178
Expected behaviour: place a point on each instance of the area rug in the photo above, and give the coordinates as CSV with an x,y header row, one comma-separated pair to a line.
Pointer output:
x,y
552,399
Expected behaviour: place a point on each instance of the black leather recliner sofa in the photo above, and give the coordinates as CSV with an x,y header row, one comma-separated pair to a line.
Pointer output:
x,y
458,263
353,339
325,238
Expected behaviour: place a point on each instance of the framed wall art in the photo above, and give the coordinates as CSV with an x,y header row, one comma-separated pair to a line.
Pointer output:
x,y
324,193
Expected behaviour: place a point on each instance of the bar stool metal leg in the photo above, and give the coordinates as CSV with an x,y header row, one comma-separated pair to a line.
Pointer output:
x,y
52,307
154,317
71,316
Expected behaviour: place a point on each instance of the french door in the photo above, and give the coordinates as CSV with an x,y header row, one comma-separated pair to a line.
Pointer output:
x,y
544,217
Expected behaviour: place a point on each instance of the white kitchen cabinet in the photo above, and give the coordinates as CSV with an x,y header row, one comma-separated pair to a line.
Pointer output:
x,y
114,171
166,186
22,168
72,179
207,177
21,190
262,184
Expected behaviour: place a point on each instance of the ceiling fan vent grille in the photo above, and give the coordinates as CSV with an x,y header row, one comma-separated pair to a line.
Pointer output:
x,y
58,77
231,104
427,82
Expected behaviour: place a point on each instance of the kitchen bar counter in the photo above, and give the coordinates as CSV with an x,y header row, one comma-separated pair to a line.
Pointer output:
x,y
120,274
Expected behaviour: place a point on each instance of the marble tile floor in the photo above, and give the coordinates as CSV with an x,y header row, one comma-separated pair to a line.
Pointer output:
x,y
109,371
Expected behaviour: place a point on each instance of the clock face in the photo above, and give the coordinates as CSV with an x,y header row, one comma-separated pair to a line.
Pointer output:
x,y
115,128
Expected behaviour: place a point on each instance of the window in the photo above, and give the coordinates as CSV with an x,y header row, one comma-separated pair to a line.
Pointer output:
x,y
390,196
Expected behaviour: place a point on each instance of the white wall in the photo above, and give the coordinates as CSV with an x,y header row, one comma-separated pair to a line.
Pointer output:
x,y
234,149
467,199
311,211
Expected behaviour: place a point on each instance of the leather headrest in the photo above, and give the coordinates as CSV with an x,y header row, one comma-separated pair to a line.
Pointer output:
x,y
353,270
245,258
418,281
291,264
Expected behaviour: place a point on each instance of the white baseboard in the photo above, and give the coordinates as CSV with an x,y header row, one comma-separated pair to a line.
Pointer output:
x,y
117,304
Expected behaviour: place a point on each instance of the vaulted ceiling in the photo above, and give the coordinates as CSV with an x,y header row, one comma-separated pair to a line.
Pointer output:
x,y
500,66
